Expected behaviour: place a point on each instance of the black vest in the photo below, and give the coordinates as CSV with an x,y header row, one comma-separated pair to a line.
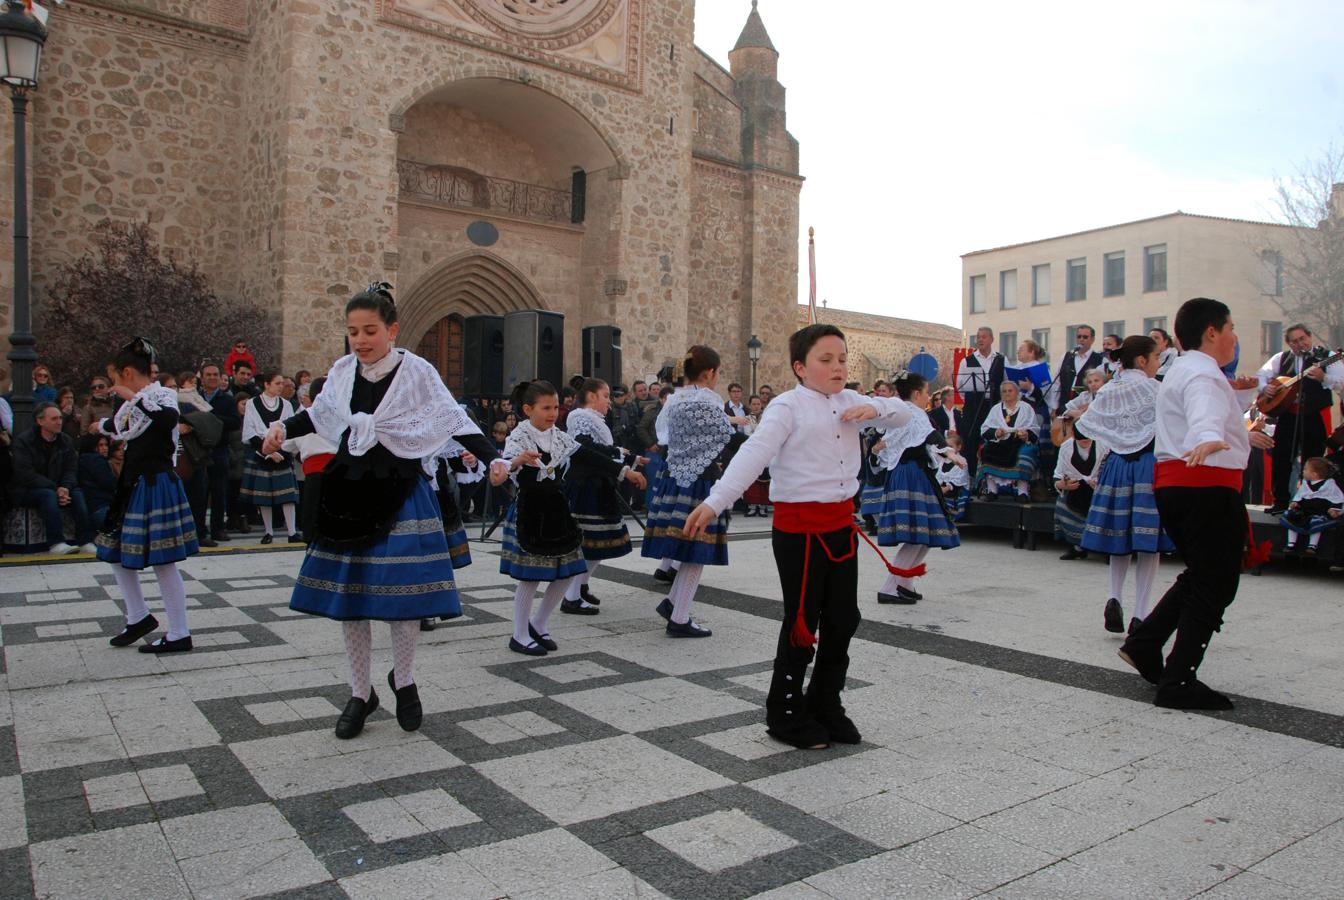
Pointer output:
x,y
1070,379
1313,396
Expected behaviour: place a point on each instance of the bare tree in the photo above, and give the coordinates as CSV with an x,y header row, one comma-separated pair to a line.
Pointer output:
x,y
125,288
1305,266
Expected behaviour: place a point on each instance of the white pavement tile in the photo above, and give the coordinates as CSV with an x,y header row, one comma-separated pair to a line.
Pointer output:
x,y
170,783
569,673
887,820
976,857
424,879
609,884
721,840
114,792
657,703
13,824
536,861
889,875
595,779
511,727
124,862
745,742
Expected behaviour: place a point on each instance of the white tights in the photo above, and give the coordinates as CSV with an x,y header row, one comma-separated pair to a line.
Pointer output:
x,y
907,556
667,563
522,607
579,582
288,511
170,586
359,653
1145,573
995,483
683,591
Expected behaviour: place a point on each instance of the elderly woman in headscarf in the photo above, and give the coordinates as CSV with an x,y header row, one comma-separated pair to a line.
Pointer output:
x,y
1009,458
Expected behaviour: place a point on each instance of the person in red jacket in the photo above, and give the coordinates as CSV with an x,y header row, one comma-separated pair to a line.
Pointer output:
x,y
237,353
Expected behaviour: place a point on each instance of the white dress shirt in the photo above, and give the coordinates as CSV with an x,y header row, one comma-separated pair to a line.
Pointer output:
x,y
1334,373
971,380
1079,367
1196,404
736,410
813,456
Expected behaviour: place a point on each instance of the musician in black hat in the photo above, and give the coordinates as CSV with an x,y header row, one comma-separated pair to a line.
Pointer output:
x,y
1299,432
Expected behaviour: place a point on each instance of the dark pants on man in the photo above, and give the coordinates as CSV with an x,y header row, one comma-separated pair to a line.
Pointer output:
x,y
197,491
1208,526
1299,435
45,501
973,415
831,611
218,474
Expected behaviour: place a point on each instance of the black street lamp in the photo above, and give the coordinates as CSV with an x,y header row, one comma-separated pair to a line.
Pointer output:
x,y
21,40
753,354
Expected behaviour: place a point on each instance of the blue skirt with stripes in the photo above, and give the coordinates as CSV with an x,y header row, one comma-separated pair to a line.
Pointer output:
x,y
956,502
1123,518
1315,525
870,500
517,563
671,506
459,550
591,501
1069,525
911,513
406,575
267,484
156,526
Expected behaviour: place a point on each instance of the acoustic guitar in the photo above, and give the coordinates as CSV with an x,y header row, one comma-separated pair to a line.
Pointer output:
x,y
1289,387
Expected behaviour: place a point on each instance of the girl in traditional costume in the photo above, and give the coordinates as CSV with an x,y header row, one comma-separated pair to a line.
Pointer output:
x,y
1076,473
149,522
379,551
268,479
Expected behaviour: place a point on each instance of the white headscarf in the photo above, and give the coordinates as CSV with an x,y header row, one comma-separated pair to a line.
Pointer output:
x,y
1123,415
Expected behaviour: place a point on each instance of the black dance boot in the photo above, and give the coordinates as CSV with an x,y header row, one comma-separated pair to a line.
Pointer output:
x,y
351,722
1179,688
823,702
409,711
786,715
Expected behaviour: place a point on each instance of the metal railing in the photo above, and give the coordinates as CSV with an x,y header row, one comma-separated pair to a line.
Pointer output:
x,y
465,189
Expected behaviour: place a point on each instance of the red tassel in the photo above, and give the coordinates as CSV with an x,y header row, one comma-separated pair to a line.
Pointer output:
x,y
801,635
1255,555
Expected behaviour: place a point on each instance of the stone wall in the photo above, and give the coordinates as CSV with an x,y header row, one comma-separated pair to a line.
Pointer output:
x,y
718,119
444,135
717,244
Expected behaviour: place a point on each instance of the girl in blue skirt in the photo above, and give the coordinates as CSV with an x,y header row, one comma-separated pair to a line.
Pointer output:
x,y
453,466
1123,518
542,542
912,514
592,492
698,431
1316,508
268,479
379,550
149,522
1076,472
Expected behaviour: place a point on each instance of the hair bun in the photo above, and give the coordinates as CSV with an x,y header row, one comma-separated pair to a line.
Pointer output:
x,y
381,287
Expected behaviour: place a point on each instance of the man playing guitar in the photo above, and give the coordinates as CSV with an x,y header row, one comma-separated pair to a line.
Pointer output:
x,y
1300,430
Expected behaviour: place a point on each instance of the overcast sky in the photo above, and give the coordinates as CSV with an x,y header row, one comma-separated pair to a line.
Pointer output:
x,y
930,130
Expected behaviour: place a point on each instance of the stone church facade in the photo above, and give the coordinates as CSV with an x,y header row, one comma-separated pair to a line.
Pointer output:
x,y
484,156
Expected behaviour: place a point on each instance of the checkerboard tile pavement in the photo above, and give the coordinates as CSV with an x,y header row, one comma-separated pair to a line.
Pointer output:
x,y
616,767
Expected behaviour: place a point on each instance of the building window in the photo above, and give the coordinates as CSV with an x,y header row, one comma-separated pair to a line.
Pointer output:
x,y
1155,268
977,293
1115,328
1273,275
1271,337
1008,345
1113,274
1008,289
1071,336
1077,286
1042,337
1040,285
1154,322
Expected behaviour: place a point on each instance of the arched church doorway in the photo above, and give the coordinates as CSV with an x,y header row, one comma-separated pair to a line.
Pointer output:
x,y
442,346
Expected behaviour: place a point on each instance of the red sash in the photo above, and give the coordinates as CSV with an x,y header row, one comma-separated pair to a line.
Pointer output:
x,y
317,462
1177,473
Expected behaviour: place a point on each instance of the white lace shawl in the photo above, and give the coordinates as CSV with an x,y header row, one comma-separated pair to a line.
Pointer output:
x,y
1026,418
130,421
253,426
1123,415
525,438
417,416
697,432
452,450
583,421
912,434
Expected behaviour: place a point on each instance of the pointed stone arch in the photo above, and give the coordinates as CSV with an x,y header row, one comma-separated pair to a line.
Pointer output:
x,y
469,284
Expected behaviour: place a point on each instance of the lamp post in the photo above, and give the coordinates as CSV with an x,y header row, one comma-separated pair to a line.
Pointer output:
x,y
21,40
753,354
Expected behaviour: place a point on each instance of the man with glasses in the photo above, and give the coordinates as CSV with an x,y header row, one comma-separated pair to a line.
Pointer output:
x,y
239,353
226,410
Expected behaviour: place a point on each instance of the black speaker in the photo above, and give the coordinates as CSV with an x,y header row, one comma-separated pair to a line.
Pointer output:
x,y
483,356
534,347
602,353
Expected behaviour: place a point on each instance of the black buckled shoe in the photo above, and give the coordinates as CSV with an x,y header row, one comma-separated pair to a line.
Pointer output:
x,y
427,625
578,608
409,711
295,539
689,629
351,721
163,645
132,633
532,649
266,539
1074,553
1193,694
587,596
1113,617
544,640
896,598
665,575
664,609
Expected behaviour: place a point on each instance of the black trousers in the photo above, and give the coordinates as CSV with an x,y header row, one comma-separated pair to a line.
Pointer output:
x,y
1296,436
831,603
973,415
218,474
1208,526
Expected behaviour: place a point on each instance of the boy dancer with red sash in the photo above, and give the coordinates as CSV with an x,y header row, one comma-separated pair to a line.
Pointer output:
x,y
1202,448
809,437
